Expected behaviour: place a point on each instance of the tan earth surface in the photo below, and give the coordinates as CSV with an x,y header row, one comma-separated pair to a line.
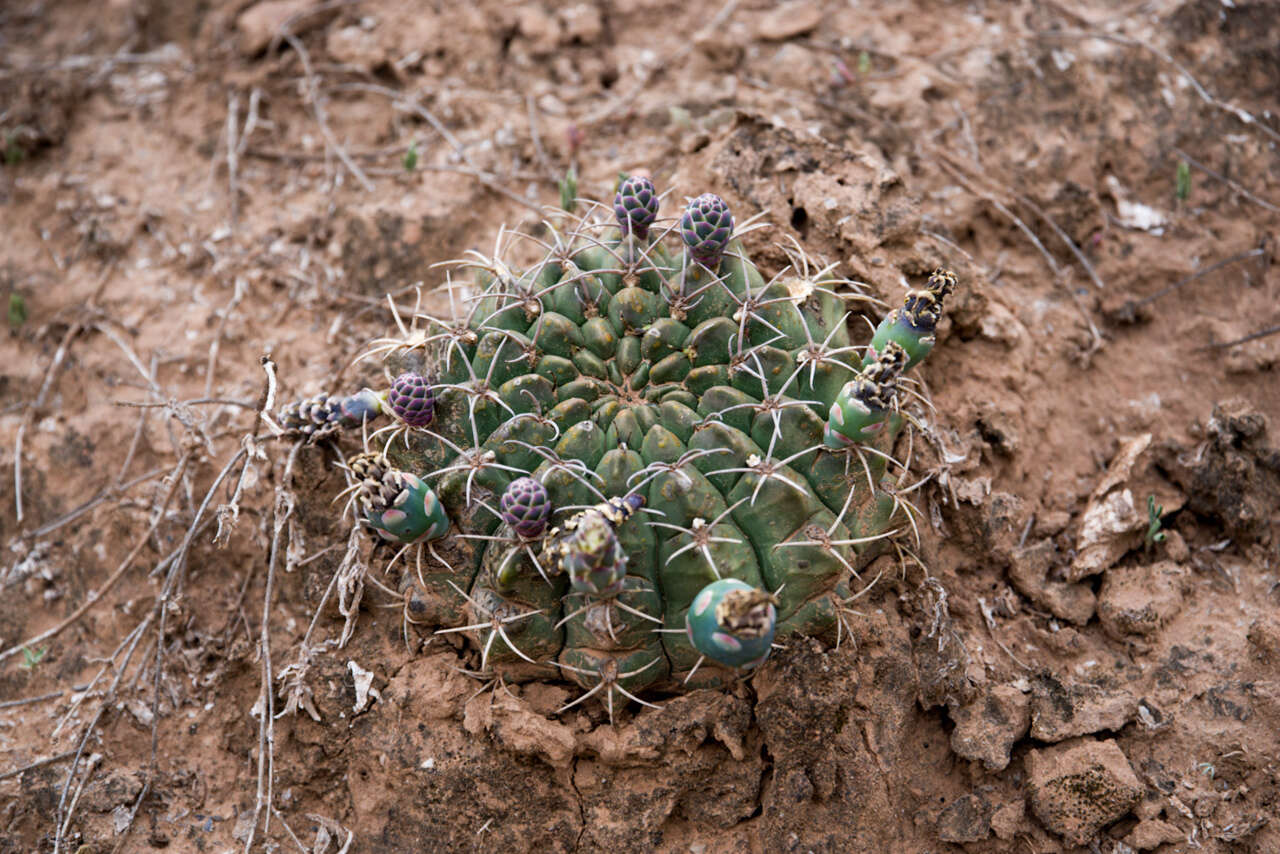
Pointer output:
x,y
186,186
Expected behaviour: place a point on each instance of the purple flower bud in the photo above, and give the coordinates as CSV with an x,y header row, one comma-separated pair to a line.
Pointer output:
x,y
636,206
525,506
412,400
706,227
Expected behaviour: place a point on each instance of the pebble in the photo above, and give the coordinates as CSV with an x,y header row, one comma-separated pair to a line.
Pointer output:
x,y
789,20
1079,787
987,728
1059,711
260,23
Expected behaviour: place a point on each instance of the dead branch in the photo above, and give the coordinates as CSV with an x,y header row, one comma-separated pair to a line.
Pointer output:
x,y
174,479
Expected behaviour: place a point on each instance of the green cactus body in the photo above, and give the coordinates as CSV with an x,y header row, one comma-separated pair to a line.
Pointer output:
x,y
685,405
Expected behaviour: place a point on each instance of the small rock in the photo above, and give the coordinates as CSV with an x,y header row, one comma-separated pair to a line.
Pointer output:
x,y
1059,712
537,26
260,23
1079,787
1111,526
357,47
789,20
1138,600
987,728
966,819
1264,635
796,67
582,23
1029,572
1153,833
1007,819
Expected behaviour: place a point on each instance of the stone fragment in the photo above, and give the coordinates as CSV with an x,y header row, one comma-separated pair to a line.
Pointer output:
x,y
1029,570
261,22
789,20
1112,525
582,23
1079,787
538,27
1264,636
966,819
1008,818
1116,518
357,47
1138,600
987,728
1059,712
1153,833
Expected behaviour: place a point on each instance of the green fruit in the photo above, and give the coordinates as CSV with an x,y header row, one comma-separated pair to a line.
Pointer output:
x,y
733,623
397,505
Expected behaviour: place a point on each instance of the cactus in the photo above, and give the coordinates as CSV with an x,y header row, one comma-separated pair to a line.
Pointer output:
x,y
646,456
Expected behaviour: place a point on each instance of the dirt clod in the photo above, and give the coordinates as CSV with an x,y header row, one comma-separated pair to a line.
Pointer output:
x,y
1235,477
1059,711
1153,833
1030,571
1137,600
966,819
989,725
1078,787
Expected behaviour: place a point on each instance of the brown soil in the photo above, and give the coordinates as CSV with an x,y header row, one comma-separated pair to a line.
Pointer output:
x,y
1051,680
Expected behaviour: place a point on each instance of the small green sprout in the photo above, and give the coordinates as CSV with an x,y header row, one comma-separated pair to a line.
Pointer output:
x,y
17,310
569,190
1183,181
32,657
864,62
411,157
1154,512
13,153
